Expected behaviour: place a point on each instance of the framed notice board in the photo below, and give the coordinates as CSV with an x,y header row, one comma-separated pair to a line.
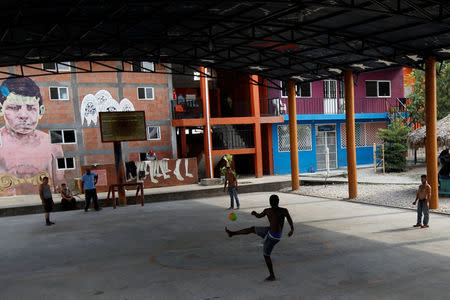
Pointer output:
x,y
123,126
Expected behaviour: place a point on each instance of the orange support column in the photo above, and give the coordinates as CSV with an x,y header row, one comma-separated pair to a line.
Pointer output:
x,y
270,147
350,132
431,137
254,98
207,128
293,135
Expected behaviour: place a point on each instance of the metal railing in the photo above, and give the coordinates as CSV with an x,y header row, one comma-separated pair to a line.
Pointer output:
x,y
272,107
230,137
189,109
318,106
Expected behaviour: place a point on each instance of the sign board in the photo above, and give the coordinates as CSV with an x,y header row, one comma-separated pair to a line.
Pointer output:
x,y
123,126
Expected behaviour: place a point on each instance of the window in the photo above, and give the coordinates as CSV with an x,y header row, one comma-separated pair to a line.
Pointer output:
x,y
341,90
304,90
366,134
142,66
301,90
59,93
153,133
284,89
62,67
378,88
145,93
66,136
65,163
304,138
197,75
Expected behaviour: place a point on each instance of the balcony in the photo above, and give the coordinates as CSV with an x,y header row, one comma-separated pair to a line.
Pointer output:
x,y
193,109
321,106
189,109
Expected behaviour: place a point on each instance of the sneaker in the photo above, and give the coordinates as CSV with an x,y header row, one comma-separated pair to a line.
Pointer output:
x,y
417,225
424,226
231,207
237,207
49,224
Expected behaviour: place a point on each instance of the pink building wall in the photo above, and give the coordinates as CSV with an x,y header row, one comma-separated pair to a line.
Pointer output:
x,y
363,104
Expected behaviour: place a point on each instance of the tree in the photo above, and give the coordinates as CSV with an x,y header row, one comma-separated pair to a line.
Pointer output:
x,y
394,138
416,109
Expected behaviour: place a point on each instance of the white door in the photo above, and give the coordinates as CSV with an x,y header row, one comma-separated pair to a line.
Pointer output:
x,y
326,138
330,97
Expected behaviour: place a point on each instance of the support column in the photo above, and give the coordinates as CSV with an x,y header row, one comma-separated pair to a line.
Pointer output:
x,y
120,172
183,142
350,133
254,98
293,135
431,137
269,147
207,128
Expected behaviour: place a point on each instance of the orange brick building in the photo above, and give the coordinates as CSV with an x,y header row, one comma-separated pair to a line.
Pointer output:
x,y
67,126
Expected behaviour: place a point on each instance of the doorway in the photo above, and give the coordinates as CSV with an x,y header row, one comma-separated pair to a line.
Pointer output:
x,y
326,138
330,97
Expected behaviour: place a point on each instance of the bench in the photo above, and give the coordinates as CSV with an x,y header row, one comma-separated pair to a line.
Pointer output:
x,y
444,186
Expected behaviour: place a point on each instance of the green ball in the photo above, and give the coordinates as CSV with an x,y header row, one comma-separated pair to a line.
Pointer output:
x,y
232,216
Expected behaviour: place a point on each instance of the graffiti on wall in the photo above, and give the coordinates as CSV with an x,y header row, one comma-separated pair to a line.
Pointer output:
x,y
102,101
160,168
26,154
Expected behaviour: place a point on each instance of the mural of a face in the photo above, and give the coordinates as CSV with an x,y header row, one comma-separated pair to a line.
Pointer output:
x,y
26,153
21,113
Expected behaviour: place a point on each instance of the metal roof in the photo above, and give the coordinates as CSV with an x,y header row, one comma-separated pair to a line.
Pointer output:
x,y
288,40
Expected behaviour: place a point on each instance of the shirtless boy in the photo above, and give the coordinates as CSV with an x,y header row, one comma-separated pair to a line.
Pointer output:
x,y
271,234
423,196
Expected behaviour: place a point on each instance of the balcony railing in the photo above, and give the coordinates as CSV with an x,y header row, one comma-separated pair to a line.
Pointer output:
x,y
189,109
271,107
318,106
232,137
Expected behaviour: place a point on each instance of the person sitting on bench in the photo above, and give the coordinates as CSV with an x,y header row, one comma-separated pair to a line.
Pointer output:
x,y
68,202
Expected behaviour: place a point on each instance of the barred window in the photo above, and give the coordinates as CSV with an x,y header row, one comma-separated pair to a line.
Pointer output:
x,y
304,138
365,134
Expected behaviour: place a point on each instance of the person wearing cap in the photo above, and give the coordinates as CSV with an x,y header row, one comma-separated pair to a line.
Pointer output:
x,y
151,155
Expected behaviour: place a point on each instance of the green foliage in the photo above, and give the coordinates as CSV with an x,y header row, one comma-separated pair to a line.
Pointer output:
x,y
394,138
229,159
416,108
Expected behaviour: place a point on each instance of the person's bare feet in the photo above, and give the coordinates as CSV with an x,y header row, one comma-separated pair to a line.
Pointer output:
x,y
230,234
270,278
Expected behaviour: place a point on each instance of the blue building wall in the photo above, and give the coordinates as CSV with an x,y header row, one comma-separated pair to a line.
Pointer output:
x,y
307,159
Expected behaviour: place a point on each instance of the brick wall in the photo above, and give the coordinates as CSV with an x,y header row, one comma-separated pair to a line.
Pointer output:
x,y
65,114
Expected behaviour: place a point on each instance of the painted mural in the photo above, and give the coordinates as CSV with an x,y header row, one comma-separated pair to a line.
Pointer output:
x,y
26,154
102,101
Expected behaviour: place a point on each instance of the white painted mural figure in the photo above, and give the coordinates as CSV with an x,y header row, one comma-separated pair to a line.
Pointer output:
x,y
102,101
160,168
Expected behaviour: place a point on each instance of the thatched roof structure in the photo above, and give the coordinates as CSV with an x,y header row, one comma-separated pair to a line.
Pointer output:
x,y
416,138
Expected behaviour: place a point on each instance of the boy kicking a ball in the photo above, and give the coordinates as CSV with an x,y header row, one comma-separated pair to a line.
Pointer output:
x,y
272,233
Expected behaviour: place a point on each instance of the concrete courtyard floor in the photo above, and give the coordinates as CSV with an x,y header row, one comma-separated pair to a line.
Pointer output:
x,y
179,250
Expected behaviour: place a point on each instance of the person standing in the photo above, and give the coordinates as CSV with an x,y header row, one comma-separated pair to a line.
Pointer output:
x,y
88,182
47,200
67,200
423,196
231,181
272,233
